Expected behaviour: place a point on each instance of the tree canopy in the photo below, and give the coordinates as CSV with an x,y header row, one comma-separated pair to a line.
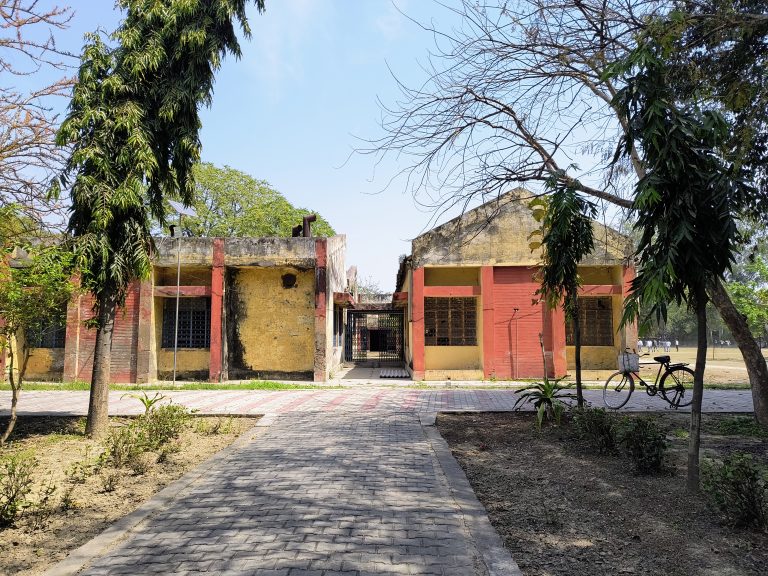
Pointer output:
x,y
229,202
132,131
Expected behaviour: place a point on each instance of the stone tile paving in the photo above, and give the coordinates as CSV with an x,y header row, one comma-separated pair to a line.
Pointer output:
x,y
322,495
371,399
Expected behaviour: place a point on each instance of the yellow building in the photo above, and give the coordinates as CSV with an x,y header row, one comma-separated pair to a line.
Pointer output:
x,y
469,289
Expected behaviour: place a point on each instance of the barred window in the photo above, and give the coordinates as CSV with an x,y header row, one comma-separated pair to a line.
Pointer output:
x,y
50,335
194,322
450,321
596,321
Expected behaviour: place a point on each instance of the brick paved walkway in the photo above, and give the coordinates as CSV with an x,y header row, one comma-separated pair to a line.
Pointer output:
x,y
342,494
343,400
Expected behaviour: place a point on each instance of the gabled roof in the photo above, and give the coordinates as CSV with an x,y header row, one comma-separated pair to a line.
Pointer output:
x,y
496,233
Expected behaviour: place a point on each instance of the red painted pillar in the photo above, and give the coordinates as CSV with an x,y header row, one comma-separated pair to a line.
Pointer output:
x,y
145,366
321,304
72,337
217,303
418,323
486,296
557,326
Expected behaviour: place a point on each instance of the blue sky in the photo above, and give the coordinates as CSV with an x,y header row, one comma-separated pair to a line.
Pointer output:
x,y
290,110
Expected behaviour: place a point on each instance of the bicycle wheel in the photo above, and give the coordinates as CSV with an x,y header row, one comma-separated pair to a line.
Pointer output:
x,y
677,386
618,388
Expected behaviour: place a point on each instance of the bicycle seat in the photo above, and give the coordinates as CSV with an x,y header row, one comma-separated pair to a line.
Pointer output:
x,y
661,359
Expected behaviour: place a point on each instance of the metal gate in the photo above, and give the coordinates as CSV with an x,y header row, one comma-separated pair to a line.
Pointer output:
x,y
374,336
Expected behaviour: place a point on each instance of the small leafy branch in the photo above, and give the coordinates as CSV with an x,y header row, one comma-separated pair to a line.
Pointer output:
x,y
146,401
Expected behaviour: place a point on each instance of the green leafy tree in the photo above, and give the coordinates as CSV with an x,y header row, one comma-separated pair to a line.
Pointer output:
x,y
685,205
717,52
512,89
750,295
230,203
133,133
566,238
36,287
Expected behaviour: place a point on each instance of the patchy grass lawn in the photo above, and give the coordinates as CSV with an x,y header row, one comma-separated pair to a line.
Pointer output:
x,y
89,496
252,385
564,510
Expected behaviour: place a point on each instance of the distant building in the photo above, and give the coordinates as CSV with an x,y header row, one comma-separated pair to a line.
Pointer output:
x,y
468,289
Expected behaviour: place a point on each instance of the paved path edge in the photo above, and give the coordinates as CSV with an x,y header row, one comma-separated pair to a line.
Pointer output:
x,y
81,557
497,559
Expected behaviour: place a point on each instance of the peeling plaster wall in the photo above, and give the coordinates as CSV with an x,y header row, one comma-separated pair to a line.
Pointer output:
x,y
45,364
270,328
263,252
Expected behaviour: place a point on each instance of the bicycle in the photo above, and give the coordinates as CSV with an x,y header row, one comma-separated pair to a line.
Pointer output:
x,y
675,386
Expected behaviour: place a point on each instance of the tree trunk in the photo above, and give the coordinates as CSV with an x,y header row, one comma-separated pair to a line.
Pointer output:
x,y
97,424
15,389
577,352
750,349
694,441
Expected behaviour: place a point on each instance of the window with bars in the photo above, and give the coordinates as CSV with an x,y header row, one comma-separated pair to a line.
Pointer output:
x,y
596,321
194,322
450,321
50,335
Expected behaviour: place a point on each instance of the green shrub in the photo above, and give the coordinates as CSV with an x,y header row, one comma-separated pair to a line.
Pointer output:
x,y
15,486
122,445
110,481
140,463
740,426
163,424
43,508
213,428
644,442
597,427
150,432
738,488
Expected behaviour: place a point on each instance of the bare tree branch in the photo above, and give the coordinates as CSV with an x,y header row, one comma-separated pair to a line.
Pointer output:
x,y
28,156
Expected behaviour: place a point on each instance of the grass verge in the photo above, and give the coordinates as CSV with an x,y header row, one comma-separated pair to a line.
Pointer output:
x,y
253,385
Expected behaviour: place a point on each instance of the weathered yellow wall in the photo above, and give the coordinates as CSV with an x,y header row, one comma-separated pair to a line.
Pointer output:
x,y
598,275
45,364
452,358
453,375
277,325
187,360
190,276
454,276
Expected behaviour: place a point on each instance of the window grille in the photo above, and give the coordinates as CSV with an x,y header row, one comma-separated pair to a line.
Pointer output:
x,y
50,335
595,320
450,321
194,322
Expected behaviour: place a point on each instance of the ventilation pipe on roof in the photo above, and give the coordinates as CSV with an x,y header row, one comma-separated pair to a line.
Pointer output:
x,y
304,229
307,228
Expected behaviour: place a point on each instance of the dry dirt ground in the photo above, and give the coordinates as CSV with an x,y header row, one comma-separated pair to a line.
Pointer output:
x,y
562,510
85,503
725,366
